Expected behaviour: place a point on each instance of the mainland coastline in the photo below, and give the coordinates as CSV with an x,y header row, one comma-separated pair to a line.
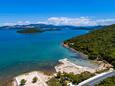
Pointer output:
x,y
102,64
66,64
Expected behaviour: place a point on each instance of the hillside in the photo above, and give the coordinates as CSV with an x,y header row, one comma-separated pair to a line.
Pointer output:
x,y
96,44
107,82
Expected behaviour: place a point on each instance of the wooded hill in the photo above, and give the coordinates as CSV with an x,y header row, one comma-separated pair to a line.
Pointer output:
x,y
96,44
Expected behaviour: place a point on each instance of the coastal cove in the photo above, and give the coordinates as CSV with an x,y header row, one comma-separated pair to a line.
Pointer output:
x,y
26,52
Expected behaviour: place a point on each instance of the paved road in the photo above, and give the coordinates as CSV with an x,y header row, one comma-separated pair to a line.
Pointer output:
x,y
96,79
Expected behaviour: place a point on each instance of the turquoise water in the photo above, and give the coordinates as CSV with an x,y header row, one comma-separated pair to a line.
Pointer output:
x,y
25,52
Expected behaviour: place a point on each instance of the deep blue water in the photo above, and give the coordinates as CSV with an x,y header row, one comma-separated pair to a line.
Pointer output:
x,y
25,52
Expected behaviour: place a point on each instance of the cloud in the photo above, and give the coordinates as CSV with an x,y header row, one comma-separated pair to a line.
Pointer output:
x,y
81,21
42,22
8,24
17,23
105,21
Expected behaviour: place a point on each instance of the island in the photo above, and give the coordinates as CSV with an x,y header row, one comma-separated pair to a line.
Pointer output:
x,y
29,30
97,44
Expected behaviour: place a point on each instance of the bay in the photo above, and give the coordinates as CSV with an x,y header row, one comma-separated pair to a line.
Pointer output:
x,y
26,52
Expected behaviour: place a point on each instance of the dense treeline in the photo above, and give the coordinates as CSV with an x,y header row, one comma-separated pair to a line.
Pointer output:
x,y
62,79
96,44
29,30
107,82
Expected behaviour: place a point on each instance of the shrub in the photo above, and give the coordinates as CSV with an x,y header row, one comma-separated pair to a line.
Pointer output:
x,y
22,82
54,82
34,80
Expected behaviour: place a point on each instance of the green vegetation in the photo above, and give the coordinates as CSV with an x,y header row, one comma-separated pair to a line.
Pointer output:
x,y
22,82
29,30
107,82
54,82
98,44
34,80
63,78
101,71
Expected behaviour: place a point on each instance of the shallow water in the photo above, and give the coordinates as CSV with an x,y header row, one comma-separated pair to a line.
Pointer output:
x,y
25,52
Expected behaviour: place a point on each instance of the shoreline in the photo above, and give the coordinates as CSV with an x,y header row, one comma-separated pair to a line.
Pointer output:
x,y
101,63
42,79
62,66
75,51
7,79
69,67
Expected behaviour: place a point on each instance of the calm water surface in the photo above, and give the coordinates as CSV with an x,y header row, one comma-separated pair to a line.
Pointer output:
x,y
25,52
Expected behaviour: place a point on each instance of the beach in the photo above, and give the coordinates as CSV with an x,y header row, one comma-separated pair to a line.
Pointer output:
x,y
102,65
69,67
64,66
41,79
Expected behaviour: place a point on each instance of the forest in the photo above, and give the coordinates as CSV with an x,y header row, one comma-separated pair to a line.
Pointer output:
x,y
97,44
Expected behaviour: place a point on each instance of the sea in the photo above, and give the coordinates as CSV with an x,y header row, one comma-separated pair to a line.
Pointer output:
x,y
20,53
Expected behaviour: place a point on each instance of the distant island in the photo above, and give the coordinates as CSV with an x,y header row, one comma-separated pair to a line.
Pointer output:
x,y
50,27
98,44
29,30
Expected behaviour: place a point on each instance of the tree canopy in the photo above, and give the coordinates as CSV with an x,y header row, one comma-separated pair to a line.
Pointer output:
x,y
96,44
107,82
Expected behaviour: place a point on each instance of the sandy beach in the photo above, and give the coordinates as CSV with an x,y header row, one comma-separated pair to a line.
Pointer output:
x,y
64,66
69,67
41,79
102,64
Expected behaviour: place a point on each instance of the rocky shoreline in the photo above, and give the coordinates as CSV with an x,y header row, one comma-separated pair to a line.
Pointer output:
x,y
73,50
102,63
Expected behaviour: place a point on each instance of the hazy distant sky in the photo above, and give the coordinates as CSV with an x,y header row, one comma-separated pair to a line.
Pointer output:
x,y
33,11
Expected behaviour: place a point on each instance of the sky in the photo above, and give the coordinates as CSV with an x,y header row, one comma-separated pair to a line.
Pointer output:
x,y
69,12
